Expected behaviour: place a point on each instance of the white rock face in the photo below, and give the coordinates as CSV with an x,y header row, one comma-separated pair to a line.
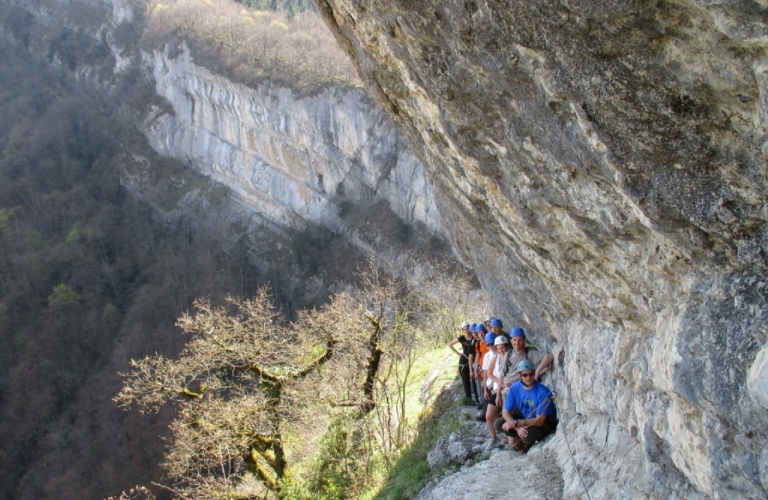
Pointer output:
x,y
757,379
602,167
294,160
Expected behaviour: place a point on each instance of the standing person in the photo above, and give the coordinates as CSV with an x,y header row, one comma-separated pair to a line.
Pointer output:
x,y
529,413
481,348
497,327
495,376
520,351
479,345
487,322
466,358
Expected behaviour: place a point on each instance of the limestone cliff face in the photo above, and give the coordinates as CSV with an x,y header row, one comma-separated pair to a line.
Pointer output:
x,y
292,160
602,167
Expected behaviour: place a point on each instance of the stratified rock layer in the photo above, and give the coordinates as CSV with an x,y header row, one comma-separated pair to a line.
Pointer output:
x,y
293,160
602,167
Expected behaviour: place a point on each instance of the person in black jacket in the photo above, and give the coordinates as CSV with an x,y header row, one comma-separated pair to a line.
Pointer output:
x,y
466,362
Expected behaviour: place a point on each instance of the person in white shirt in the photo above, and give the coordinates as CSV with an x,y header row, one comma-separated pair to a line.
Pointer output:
x,y
492,363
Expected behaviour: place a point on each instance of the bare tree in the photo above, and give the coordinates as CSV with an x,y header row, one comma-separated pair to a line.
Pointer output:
x,y
246,380
135,493
232,384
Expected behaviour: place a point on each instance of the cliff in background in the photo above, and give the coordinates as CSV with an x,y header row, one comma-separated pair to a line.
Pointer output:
x,y
291,157
602,167
293,160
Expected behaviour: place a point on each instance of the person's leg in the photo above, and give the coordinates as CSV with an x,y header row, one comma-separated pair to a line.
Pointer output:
x,y
511,435
490,418
473,384
497,426
465,380
535,434
480,395
480,417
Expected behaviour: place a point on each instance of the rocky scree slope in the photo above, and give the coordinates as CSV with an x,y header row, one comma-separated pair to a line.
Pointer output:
x,y
602,167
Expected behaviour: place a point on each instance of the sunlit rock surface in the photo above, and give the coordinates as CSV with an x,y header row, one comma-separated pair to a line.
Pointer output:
x,y
293,160
602,167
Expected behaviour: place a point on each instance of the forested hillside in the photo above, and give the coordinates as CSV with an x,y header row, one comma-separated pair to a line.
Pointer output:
x,y
290,7
90,276
250,46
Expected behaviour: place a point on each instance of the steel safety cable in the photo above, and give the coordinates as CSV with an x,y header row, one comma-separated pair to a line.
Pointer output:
x,y
565,435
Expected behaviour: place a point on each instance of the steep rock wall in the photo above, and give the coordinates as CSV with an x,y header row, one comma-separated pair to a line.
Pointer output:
x,y
293,160
602,167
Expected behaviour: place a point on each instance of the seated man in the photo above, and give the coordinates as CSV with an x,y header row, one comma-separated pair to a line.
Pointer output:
x,y
529,412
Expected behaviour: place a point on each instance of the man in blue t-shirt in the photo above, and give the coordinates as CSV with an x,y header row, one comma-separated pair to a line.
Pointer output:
x,y
529,411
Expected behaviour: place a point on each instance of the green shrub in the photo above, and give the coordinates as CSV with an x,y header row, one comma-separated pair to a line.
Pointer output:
x,y
339,471
339,461
411,471
63,295
5,216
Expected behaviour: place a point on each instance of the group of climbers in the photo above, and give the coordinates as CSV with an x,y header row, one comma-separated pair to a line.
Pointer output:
x,y
501,373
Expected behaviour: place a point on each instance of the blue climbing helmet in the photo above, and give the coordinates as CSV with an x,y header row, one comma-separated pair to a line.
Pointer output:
x,y
525,364
481,328
490,337
517,332
473,327
496,322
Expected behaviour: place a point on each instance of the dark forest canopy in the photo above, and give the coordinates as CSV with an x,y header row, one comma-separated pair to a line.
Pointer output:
x,y
90,276
87,275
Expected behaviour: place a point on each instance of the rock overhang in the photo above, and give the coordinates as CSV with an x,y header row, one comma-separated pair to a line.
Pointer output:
x,y
606,162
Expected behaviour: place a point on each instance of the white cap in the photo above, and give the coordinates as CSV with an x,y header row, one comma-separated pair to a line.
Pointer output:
x,y
501,339
464,324
489,318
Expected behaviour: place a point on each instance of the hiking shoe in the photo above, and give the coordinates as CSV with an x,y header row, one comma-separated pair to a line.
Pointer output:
x,y
467,401
491,444
523,448
480,417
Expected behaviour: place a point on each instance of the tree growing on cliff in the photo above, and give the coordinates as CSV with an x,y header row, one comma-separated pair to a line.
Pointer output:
x,y
234,384
247,385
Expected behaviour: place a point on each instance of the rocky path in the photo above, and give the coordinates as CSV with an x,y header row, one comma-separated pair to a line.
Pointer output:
x,y
498,474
